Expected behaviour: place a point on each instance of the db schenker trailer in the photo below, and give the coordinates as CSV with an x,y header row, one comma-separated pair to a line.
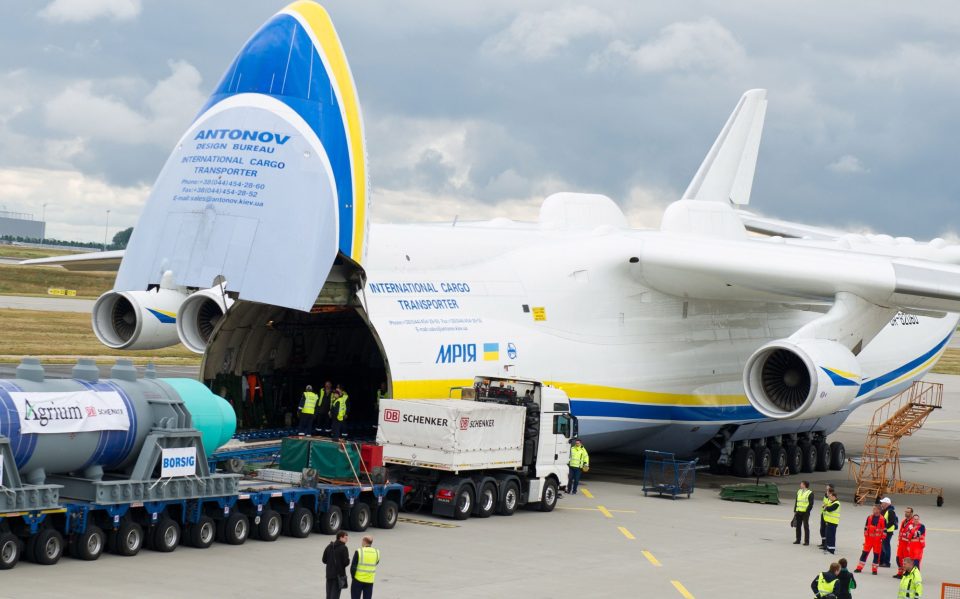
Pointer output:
x,y
505,443
88,465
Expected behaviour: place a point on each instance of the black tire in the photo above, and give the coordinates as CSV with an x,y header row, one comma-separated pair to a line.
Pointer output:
x,y
509,499
89,545
387,514
486,501
550,496
360,517
232,466
764,460
794,458
203,533
838,455
10,550
270,527
330,521
235,528
166,536
48,548
823,457
299,523
744,461
463,502
808,457
778,458
126,540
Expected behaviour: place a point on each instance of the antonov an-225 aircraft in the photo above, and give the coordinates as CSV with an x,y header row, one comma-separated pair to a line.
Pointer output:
x,y
255,245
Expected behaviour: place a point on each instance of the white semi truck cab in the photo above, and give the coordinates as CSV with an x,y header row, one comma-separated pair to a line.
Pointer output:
x,y
503,444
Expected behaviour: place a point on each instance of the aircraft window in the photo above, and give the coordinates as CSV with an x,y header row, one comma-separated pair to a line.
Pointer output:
x,y
561,425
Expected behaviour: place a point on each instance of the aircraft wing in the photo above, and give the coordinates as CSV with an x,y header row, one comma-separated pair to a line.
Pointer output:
x,y
782,228
93,261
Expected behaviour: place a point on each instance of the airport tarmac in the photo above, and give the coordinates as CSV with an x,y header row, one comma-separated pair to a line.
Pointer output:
x,y
47,304
609,541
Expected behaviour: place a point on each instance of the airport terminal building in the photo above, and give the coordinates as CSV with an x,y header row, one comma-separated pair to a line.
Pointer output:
x,y
21,224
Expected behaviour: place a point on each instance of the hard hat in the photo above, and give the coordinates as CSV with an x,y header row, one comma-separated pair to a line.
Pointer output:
x,y
309,388
885,500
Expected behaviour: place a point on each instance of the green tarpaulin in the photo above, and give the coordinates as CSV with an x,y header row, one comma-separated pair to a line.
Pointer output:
x,y
328,458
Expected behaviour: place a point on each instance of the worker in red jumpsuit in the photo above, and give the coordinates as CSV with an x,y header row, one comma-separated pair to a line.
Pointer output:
x,y
919,541
903,540
874,532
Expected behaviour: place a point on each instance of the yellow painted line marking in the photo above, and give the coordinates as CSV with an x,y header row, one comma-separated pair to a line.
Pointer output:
x,y
650,558
681,589
587,493
750,518
627,533
593,509
605,511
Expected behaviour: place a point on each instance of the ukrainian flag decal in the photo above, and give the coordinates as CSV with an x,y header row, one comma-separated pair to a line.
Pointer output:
x,y
164,316
491,351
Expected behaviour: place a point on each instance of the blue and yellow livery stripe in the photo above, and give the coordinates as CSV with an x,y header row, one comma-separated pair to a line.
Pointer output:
x,y
296,58
908,370
164,316
841,378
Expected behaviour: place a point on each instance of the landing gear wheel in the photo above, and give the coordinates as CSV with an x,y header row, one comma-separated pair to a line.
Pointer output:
x,y
203,533
166,536
550,496
360,517
48,548
387,514
778,458
463,502
300,523
838,455
809,457
744,460
235,528
764,459
486,501
89,545
330,521
9,550
823,457
270,527
126,540
794,458
510,499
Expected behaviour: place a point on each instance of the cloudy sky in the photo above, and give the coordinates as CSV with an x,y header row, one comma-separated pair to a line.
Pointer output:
x,y
479,109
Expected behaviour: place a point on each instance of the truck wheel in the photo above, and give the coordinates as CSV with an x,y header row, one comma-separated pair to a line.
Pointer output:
x,y
387,514
823,457
794,458
89,545
360,517
838,455
331,520
9,550
203,533
487,501
166,536
549,496
301,522
234,529
270,527
809,459
463,503
744,461
510,499
48,548
126,540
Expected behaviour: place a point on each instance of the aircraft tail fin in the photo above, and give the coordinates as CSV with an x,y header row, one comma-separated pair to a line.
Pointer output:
x,y
726,174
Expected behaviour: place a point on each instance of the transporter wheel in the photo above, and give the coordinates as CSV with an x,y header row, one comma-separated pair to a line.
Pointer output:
x,y
166,536
487,501
809,457
463,502
89,545
203,533
9,550
744,461
126,540
234,529
360,517
301,522
510,499
330,521
823,457
48,549
387,514
764,460
550,496
270,527
838,455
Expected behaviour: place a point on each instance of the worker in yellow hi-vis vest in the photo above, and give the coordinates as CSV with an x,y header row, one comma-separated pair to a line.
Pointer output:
x,y
338,412
364,569
308,408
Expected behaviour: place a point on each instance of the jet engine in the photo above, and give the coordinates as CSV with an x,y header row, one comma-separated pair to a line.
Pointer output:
x,y
805,378
137,319
199,315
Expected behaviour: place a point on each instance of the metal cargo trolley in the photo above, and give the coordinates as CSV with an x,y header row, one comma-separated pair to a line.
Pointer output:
x,y
663,474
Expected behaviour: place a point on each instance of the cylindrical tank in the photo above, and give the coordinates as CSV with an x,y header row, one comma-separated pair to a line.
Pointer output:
x,y
88,425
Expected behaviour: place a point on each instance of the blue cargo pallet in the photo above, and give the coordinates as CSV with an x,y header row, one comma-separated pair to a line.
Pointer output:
x,y
663,474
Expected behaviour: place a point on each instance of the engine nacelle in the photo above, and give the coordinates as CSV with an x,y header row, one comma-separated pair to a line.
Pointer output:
x,y
137,319
808,378
199,315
